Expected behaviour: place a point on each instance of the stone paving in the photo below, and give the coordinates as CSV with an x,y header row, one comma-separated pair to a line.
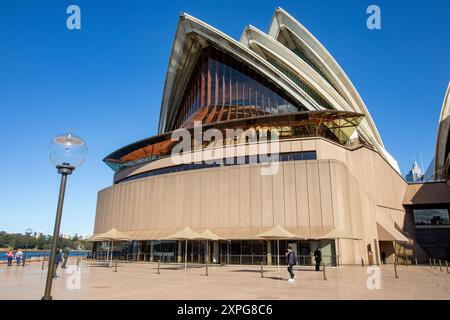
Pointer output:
x,y
141,281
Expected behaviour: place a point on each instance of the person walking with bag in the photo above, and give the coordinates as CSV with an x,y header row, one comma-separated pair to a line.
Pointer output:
x,y
291,261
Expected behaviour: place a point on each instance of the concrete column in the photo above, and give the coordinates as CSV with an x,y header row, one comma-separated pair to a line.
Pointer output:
x,y
179,252
377,252
216,252
269,252
151,251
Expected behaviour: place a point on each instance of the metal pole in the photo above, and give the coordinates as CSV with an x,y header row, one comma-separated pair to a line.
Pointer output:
x,y
278,255
185,258
78,261
262,274
446,265
431,266
159,261
324,273
112,251
434,263
338,252
115,266
64,171
440,265
416,260
362,262
25,253
207,257
395,267
43,261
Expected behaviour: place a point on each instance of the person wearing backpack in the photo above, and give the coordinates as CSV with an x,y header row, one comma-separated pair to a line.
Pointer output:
x,y
291,261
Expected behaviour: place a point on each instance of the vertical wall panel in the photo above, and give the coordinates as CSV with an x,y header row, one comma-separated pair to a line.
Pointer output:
x,y
214,210
205,198
196,200
266,200
235,195
314,198
278,196
224,198
325,194
255,195
290,203
244,198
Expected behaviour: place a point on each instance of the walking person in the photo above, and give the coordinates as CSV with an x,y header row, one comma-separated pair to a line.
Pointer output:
x,y
317,258
19,256
10,256
58,259
65,255
383,257
291,261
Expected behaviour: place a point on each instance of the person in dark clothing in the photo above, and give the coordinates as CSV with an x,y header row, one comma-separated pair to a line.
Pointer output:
x,y
383,257
317,258
291,261
58,259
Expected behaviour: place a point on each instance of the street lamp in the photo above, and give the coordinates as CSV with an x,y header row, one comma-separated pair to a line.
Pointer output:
x,y
66,152
28,232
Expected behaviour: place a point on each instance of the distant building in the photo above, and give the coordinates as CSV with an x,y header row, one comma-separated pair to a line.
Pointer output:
x,y
415,174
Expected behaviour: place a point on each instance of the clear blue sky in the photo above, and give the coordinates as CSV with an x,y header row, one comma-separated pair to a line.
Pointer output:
x,y
104,82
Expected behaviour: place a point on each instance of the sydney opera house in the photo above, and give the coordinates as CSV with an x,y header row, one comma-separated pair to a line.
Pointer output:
x,y
336,187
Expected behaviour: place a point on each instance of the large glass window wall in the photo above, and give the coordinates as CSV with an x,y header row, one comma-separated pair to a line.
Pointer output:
x,y
221,81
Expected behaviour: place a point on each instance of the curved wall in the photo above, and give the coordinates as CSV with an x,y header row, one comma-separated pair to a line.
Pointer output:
x,y
344,188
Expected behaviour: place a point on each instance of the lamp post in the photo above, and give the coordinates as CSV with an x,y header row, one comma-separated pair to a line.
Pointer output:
x,y
66,152
28,232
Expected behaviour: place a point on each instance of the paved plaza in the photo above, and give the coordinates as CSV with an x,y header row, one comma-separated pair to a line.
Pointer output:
x,y
141,281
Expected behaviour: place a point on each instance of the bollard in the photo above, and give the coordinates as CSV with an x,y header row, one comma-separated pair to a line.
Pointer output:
x,y
434,263
78,261
43,262
206,267
416,261
440,265
431,266
407,261
324,273
446,265
395,269
362,263
159,261
262,274
115,266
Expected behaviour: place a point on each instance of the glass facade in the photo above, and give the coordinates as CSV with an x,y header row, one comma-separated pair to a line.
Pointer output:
x,y
292,156
236,90
336,126
424,217
248,252
307,88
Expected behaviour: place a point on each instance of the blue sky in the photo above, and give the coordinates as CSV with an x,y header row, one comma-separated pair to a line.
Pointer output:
x,y
104,82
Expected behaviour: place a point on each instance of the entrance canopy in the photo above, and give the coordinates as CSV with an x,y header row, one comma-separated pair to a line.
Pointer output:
x,y
208,235
339,234
387,232
277,232
111,235
185,234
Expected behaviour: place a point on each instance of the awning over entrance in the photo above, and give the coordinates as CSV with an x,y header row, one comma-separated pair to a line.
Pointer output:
x,y
388,232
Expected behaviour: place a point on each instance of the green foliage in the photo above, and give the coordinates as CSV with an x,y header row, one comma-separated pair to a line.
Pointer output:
x,y
40,242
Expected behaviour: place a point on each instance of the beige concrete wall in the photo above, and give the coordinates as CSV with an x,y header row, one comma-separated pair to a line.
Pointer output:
x,y
342,189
